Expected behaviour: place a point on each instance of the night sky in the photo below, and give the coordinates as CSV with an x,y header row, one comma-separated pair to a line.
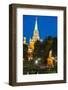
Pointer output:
x,y
47,26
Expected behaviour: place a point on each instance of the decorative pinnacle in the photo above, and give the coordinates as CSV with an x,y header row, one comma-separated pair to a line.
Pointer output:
x,y
36,25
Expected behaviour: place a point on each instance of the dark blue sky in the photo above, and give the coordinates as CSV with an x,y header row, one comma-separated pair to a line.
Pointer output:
x,y
47,26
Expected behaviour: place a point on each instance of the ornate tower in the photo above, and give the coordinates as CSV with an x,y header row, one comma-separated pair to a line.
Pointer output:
x,y
36,32
35,36
32,41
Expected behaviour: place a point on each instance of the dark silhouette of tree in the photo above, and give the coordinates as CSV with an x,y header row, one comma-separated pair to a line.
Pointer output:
x,y
25,49
47,45
37,48
54,46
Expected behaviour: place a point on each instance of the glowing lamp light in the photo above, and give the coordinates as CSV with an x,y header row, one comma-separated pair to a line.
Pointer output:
x,y
36,62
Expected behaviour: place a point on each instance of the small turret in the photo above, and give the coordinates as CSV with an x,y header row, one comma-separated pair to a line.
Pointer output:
x,y
24,41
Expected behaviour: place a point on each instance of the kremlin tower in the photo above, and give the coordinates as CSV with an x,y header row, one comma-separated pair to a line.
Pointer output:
x,y
36,33
35,36
32,41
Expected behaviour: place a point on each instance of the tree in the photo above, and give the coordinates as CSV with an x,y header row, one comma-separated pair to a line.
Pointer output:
x,y
25,49
47,45
54,46
37,48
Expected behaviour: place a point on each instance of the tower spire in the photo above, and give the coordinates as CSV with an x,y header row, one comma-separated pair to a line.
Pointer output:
x,y
36,25
36,32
